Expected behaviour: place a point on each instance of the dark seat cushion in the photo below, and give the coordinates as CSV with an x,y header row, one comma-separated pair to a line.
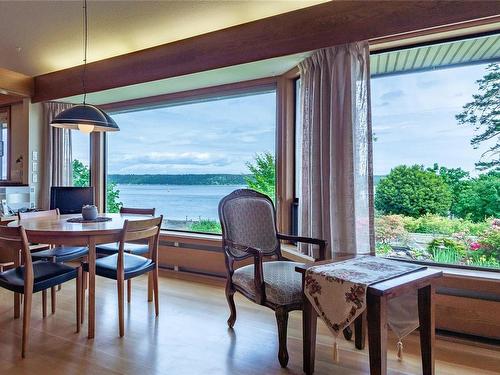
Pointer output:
x,y
134,265
61,253
132,248
46,275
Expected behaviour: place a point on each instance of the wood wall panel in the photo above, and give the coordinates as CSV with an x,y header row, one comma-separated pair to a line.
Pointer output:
x,y
469,316
307,29
456,314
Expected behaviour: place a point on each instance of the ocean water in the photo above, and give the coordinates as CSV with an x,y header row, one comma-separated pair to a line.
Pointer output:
x,y
177,202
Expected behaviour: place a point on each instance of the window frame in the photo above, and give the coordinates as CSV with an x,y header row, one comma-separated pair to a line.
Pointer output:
x,y
8,164
416,71
186,97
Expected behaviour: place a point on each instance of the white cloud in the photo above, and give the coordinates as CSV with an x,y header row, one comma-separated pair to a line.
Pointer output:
x,y
184,158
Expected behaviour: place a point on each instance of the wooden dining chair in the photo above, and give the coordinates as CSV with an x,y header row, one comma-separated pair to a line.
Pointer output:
x,y
248,221
54,253
32,277
125,266
131,248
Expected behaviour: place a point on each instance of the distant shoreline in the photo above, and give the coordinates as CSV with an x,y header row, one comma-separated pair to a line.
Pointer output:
x,y
186,179
179,179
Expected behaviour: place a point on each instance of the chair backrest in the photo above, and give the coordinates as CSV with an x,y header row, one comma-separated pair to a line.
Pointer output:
x,y
70,199
147,229
39,214
137,211
248,218
13,241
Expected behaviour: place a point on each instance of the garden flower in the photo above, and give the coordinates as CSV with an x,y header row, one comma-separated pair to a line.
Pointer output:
x,y
475,246
495,224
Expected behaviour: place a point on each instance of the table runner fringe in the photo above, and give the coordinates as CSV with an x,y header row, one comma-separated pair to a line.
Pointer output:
x,y
400,350
335,352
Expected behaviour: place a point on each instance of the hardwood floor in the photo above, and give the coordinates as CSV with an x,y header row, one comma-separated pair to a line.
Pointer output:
x,y
191,337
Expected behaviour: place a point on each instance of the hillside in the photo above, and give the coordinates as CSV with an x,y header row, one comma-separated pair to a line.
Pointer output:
x,y
178,179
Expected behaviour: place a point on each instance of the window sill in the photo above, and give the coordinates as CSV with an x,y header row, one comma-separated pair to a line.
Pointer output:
x,y
469,274
190,235
290,252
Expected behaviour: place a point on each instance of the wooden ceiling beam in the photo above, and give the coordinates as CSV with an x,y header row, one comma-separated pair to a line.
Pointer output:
x,y
13,83
9,99
307,29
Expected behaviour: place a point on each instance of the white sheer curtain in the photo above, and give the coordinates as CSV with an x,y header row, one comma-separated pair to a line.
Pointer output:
x,y
57,153
336,197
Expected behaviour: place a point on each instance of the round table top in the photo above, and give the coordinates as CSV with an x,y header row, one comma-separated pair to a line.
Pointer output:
x,y
61,225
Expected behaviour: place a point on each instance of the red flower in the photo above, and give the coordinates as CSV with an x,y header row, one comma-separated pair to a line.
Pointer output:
x,y
475,246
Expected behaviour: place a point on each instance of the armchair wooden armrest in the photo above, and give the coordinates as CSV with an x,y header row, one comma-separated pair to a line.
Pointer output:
x,y
258,270
313,241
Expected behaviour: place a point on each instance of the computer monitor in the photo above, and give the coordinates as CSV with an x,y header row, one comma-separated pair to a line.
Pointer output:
x,y
69,199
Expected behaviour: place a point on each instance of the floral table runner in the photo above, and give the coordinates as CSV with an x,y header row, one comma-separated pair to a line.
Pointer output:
x,y
338,293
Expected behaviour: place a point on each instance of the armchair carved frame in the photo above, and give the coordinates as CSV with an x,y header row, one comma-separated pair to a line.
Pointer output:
x,y
231,218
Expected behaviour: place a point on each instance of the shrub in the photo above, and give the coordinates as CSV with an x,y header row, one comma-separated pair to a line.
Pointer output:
x,y
382,249
489,242
390,228
482,260
413,191
206,226
442,225
440,246
446,255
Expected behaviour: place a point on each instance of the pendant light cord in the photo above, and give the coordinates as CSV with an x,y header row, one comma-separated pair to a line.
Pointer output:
x,y
85,43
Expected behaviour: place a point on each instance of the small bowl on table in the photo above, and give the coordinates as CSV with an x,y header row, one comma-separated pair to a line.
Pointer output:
x,y
89,212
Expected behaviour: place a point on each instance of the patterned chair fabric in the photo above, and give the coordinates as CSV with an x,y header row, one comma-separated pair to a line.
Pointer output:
x,y
283,285
250,222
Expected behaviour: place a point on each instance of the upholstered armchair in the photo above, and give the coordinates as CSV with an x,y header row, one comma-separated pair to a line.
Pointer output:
x,y
248,221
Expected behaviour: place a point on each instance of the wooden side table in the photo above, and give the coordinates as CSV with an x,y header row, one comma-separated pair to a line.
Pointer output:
x,y
376,313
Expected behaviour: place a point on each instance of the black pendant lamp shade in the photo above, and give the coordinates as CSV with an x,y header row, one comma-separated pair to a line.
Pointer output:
x,y
85,117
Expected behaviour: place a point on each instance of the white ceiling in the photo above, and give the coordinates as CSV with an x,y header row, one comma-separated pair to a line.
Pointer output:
x,y
38,37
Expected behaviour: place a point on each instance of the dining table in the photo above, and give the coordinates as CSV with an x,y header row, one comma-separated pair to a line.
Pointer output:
x,y
60,231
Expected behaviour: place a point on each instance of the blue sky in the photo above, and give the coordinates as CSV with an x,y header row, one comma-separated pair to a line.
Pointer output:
x,y
217,136
413,120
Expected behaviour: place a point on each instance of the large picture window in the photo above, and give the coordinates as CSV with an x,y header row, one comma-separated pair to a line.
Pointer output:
x,y
182,159
436,155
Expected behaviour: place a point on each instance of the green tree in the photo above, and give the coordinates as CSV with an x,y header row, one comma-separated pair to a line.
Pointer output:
x,y
113,203
263,175
81,174
456,178
81,177
413,191
483,113
480,198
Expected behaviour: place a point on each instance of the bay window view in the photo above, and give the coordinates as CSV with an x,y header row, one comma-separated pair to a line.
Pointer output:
x,y
183,158
436,163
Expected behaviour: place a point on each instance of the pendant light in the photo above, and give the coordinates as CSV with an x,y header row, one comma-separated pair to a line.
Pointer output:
x,y
85,117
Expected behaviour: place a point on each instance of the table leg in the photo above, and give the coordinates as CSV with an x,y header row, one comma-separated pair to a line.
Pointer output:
x,y
427,332
91,258
309,322
17,305
360,331
377,333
